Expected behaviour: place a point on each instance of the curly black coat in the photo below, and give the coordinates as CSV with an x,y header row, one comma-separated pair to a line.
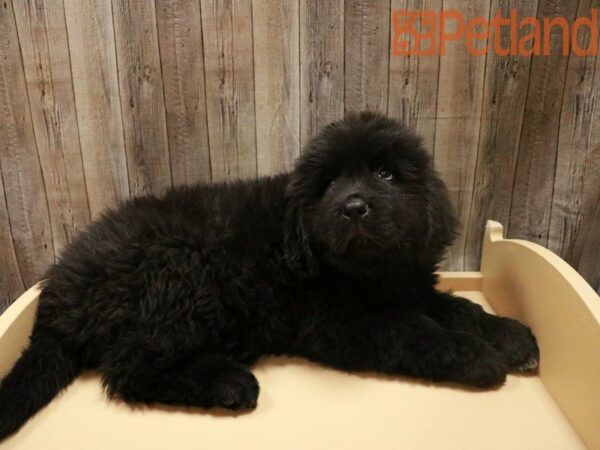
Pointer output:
x,y
171,299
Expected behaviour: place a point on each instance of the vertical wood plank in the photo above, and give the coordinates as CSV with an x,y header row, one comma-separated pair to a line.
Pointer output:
x,y
367,53
11,283
576,193
321,65
586,248
576,169
96,88
43,39
182,61
413,85
229,67
459,106
277,81
24,190
504,95
142,98
532,190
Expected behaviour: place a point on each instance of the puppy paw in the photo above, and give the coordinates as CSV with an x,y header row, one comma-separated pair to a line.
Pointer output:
x,y
516,343
235,390
525,354
529,366
487,371
478,364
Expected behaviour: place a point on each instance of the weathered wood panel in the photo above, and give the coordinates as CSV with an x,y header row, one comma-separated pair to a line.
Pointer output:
x,y
534,181
577,181
459,104
146,94
413,80
47,64
24,190
227,26
277,84
576,190
367,52
321,65
142,98
505,91
182,61
588,242
96,87
11,283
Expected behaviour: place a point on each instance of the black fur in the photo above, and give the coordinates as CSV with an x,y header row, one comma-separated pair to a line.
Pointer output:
x,y
171,299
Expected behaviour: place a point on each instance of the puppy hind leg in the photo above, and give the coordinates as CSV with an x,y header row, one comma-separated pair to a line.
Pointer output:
x,y
198,380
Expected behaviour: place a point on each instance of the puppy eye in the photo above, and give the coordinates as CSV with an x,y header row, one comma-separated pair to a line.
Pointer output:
x,y
327,184
385,174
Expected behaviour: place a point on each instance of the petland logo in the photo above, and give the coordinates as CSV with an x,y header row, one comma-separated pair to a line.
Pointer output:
x,y
428,32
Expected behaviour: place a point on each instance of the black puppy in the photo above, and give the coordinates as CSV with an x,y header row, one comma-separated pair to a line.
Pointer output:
x,y
171,299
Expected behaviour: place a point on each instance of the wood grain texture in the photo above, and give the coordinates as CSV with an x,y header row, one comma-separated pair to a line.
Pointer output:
x,y
47,64
584,256
367,50
11,283
182,61
142,97
96,86
277,84
228,53
576,193
460,96
534,180
145,94
504,95
413,80
24,190
586,248
321,65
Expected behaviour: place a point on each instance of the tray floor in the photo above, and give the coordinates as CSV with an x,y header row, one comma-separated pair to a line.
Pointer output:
x,y
305,406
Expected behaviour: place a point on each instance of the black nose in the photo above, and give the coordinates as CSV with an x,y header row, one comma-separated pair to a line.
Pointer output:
x,y
355,208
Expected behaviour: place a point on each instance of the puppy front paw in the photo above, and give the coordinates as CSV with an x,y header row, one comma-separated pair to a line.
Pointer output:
x,y
516,343
235,390
480,365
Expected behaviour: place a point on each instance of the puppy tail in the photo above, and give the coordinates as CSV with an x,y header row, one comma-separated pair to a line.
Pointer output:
x,y
42,371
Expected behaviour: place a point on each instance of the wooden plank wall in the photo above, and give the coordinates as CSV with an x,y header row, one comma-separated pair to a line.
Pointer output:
x,y
100,101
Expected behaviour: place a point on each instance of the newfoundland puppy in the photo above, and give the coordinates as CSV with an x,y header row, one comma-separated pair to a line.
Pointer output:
x,y
172,299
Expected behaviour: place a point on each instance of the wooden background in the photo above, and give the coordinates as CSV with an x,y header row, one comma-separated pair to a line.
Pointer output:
x,y
101,101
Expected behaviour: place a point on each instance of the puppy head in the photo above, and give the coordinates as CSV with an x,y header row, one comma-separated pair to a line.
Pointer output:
x,y
364,193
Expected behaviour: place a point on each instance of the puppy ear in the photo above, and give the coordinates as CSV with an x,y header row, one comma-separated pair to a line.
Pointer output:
x,y
299,253
442,223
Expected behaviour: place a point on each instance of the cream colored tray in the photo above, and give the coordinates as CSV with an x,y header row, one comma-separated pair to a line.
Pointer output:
x,y
304,406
